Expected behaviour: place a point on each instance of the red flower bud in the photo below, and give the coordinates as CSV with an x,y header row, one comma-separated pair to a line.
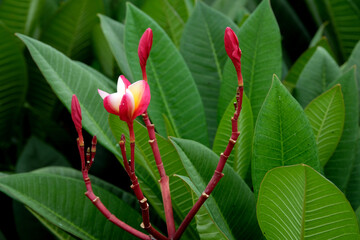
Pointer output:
x,y
144,50
233,51
76,116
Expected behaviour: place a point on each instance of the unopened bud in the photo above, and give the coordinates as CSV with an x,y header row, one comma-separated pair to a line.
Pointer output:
x,y
144,50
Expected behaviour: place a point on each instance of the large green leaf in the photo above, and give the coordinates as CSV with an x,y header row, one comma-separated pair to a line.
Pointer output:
x,y
282,136
173,90
21,16
147,171
114,34
296,69
343,30
326,115
234,9
314,79
70,29
66,78
230,199
354,59
339,167
240,157
358,215
13,82
170,15
296,202
205,225
61,201
352,190
259,39
202,46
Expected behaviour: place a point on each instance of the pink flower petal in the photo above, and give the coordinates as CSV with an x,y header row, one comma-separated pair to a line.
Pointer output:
x,y
122,84
76,113
141,93
126,108
103,94
112,103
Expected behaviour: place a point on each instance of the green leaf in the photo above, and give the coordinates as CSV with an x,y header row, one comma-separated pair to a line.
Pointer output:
x,y
202,47
354,59
358,215
148,174
352,190
282,135
21,16
297,68
296,202
66,78
229,200
114,34
74,22
339,167
61,201
343,31
58,232
259,39
318,35
316,76
173,90
170,15
205,225
240,157
326,115
234,9
37,154
13,83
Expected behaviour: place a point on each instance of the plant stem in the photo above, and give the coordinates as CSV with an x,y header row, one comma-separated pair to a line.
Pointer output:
x,y
164,179
95,199
218,172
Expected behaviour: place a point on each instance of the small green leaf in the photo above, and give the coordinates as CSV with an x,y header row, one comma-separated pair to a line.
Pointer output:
x,y
339,166
74,22
318,35
282,136
260,42
240,157
230,199
66,78
296,202
61,201
202,47
326,115
173,90
316,76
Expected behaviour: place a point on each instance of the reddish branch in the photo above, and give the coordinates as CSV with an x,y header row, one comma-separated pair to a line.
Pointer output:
x,y
86,163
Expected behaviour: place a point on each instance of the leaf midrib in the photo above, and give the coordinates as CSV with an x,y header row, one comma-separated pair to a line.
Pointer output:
x,y
325,117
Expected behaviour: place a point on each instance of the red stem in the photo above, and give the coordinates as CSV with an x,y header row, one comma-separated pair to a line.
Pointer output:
x,y
96,200
218,172
164,179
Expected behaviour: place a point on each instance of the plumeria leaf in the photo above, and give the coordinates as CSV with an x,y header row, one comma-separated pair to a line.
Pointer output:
x,y
200,163
314,79
326,114
173,90
259,40
240,157
296,202
339,166
202,47
282,136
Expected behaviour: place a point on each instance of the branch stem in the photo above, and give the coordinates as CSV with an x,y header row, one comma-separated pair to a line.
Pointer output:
x,y
218,172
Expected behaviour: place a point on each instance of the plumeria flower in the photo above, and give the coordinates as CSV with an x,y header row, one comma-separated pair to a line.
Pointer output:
x,y
130,100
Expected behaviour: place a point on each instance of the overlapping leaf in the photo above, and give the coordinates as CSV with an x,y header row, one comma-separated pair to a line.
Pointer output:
x,y
202,47
173,90
282,136
259,39
230,199
339,166
326,115
296,202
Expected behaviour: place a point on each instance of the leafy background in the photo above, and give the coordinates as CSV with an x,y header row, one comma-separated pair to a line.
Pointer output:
x,y
310,46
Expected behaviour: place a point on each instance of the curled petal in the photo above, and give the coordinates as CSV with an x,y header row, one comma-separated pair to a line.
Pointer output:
x,y
141,93
122,84
145,45
76,113
103,94
112,103
126,108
